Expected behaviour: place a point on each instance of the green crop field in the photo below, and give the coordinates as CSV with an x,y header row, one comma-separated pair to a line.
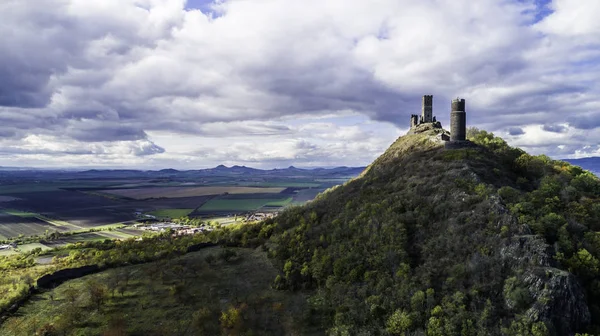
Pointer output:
x,y
171,213
280,203
32,246
7,252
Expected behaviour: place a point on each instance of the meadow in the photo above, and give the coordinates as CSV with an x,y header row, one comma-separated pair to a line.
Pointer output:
x,y
188,295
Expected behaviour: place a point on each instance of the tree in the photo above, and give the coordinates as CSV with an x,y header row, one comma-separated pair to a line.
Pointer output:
x,y
71,294
117,326
399,323
98,293
204,323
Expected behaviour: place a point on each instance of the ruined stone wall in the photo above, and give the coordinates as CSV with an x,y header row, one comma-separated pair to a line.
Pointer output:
x,y
414,120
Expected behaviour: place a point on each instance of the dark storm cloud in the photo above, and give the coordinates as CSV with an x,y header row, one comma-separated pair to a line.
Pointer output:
x,y
105,132
555,128
24,151
585,121
515,131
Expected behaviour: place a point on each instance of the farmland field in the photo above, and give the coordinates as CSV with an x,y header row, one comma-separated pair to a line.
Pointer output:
x,y
176,192
234,205
36,202
280,203
171,213
96,236
32,246
12,226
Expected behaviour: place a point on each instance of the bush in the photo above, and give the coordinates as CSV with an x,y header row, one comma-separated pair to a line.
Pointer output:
x,y
227,254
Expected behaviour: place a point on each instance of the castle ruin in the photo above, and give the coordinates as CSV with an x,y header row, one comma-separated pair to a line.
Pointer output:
x,y
458,122
426,113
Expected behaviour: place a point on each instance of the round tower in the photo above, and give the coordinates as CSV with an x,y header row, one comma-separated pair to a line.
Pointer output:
x,y
458,121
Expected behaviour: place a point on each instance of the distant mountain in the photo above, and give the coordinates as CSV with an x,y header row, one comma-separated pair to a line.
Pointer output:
x,y
220,170
592,164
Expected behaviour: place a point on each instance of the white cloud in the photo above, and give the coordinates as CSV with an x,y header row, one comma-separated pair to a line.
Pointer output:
x,y
271,80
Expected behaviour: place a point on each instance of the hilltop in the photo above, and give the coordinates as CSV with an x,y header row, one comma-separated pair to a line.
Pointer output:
x,y
476,241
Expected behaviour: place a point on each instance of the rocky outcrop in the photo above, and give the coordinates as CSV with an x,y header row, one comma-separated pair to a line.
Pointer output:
x,y
559,299
556,297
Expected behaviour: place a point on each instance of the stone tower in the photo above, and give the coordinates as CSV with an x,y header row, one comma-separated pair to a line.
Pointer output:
x,y
458,121
427,109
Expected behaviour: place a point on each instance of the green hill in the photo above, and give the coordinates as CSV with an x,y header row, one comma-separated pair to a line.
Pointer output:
x,y
478,241
485,240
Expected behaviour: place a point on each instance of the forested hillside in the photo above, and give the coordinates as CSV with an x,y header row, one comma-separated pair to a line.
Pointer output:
x,y
477,241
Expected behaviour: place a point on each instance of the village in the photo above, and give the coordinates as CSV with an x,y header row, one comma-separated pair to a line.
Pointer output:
x,y
180,229
8,246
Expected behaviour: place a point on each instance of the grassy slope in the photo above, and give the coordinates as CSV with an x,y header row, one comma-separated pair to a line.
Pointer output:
x,y
151,306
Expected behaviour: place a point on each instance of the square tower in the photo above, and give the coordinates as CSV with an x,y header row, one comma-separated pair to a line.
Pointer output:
x,y
427,109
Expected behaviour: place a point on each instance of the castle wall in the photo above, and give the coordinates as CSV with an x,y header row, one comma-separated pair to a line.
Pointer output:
x,y
414,120
458,121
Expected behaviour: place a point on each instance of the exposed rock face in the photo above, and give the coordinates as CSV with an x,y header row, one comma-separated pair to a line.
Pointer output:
x,y
556,296
559,299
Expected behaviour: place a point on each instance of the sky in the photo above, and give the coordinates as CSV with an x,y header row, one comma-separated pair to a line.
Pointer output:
x,y
154,84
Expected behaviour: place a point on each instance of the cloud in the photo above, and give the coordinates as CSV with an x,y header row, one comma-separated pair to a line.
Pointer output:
x,y
555,128
515,131
123,71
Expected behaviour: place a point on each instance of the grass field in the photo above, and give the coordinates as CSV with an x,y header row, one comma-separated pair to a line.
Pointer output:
x,y
182,296
171,213
29,247
7,252
176,192
280,203
24,248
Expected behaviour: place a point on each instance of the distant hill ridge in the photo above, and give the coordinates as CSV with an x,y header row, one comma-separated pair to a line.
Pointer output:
x,y
221,170
429,241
